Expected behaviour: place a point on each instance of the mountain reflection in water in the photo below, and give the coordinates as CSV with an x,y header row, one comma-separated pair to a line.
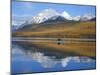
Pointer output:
x,y
47,59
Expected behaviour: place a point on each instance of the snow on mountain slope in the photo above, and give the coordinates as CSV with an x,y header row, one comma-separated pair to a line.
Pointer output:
x,y
52,16
93,19
66,15
43,16
48,14
76,18
55,20
86,17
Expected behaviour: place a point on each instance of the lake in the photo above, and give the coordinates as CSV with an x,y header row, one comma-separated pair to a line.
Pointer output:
x,y
31,59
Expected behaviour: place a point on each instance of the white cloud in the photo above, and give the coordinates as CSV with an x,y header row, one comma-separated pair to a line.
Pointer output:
x,y
49,62
65,61
18,20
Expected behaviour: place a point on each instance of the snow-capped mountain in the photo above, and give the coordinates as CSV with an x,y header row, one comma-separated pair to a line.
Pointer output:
x,y
49,16
66,15
18,22
14,27
14,22
93,19
76,18
43,16
24,24
86,17
55,19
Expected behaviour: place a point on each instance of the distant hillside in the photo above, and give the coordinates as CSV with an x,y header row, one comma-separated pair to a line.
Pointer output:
x,y
94,19
60,30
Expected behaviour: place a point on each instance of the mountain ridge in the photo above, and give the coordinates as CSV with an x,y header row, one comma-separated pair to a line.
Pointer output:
x,y
51,16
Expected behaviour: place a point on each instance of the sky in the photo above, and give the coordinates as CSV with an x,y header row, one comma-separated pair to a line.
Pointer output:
x,y
21,10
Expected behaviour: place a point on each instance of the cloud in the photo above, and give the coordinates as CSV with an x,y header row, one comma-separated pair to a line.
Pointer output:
x,y
48,62
51,61
65,61
18,20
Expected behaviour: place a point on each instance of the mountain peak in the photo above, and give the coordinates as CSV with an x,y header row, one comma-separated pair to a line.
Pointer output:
x,y
66,15
86,17
44,15
76,18
48,13
52,14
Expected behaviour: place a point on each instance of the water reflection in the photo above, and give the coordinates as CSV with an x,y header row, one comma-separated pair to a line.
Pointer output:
x,y
47,59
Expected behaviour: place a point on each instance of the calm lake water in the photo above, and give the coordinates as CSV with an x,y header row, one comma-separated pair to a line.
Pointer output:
x,y
29,59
